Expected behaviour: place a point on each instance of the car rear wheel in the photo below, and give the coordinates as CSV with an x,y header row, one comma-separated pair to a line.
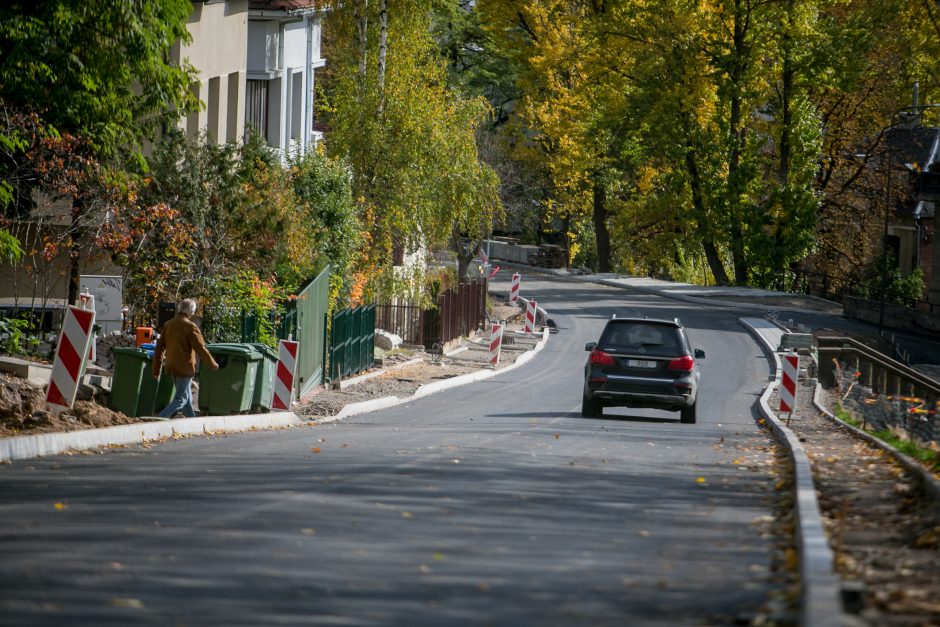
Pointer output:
x,y
590,408
687,415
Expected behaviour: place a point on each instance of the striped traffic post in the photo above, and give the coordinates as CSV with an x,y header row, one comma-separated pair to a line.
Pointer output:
x,y
514,287
284,375
791,364
531,308
70,355
496,343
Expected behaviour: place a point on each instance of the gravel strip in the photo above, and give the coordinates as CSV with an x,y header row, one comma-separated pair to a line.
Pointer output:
x,y
884,531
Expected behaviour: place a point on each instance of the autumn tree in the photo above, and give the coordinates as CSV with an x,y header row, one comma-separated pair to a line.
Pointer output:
x,y
95,70
408,136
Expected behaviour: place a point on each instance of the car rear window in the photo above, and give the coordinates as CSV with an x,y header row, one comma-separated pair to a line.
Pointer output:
x,y
632,336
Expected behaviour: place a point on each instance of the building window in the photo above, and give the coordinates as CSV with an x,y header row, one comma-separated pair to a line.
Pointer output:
x,y
256,105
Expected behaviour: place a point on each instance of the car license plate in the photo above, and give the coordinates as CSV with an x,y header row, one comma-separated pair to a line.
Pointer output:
x,y
640,363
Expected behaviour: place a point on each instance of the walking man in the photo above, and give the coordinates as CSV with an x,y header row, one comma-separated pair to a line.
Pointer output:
x,y
181,340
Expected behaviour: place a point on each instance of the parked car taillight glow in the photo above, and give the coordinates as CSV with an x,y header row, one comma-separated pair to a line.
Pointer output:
x,y
683,364
601,358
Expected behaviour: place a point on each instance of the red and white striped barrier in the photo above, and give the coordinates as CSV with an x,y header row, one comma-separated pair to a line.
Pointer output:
x,y
531,310
70,355
791,364
514,287
496,343
284,375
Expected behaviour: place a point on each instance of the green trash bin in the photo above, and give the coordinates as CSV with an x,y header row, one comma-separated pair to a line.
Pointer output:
x,y
264,384
231,388
133,390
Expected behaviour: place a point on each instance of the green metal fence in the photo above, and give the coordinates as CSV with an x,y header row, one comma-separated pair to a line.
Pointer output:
x,y
312,305
352,341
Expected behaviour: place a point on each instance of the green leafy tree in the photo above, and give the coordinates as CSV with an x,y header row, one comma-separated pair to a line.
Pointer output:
x,y
408,136
100,69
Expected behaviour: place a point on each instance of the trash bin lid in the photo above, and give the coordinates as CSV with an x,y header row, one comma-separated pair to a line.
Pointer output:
x,y
124,350
265,350
127,350
242,351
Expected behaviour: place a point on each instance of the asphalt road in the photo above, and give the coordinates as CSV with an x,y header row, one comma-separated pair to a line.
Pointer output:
x,y
494,503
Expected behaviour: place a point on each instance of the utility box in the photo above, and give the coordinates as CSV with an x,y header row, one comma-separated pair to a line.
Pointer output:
x,y
165,312
795,341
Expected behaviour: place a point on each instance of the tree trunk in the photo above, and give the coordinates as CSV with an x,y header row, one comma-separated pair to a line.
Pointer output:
x,y
362,21
465,254
383,50
735,139
75,252
698,203
601,234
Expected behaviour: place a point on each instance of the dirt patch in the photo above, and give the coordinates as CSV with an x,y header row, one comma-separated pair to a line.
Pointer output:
x,y
23,410
884,530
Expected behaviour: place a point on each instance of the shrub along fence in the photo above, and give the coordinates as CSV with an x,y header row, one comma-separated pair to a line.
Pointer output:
x,y
459,311
304,319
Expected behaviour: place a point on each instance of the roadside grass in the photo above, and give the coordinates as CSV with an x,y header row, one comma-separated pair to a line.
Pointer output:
x,y
928,457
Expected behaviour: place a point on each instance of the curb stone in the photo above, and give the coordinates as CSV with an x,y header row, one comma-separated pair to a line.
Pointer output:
x,y
821,588
365,407
44,444
40,445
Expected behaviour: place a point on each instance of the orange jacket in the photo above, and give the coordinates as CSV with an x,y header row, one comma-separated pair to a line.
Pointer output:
x,y
181,340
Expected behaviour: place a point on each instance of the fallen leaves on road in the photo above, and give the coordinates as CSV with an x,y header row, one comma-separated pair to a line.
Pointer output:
x,y
60,506
315,449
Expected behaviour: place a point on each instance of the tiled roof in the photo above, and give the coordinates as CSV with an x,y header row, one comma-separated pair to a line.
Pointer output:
x,y
282,5
911,145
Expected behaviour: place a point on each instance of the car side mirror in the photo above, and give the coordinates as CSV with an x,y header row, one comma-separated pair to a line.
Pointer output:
x,y
590,346
699,353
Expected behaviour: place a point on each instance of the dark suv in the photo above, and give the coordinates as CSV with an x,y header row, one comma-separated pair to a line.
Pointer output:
x,y
641,362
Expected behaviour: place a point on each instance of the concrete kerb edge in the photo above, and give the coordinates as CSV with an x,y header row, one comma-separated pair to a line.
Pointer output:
x,y
928,481
40,445
820,586
365,407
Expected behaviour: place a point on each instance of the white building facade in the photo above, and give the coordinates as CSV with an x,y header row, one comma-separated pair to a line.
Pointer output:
x,y
257,62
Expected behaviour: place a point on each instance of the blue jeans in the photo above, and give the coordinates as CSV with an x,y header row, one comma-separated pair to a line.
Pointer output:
x,y
182,400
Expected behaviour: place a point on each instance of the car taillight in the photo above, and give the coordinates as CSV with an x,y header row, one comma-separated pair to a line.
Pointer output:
x,y
683,364
601,358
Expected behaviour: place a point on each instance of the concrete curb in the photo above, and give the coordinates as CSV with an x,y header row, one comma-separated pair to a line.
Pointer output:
x,y
365,407
820,587
40,445
928,481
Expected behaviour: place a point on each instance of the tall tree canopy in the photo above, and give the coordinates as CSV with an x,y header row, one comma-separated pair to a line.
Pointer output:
x,y
100,69
408,134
